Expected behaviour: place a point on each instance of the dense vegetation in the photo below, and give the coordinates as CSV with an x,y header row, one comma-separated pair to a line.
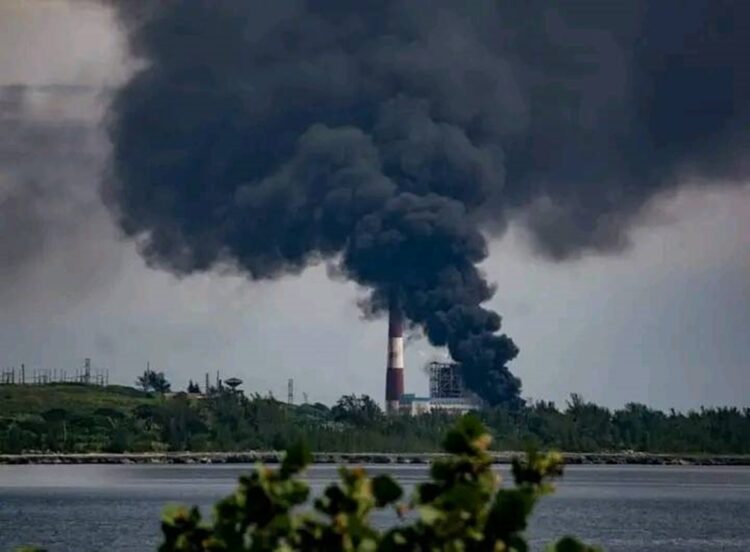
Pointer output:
x,y
78,418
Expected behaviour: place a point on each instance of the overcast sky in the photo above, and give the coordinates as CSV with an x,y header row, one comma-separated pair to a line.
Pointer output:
x,y
665,323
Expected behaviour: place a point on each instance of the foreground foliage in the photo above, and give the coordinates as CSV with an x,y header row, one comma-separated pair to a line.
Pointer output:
x,y
78,418
461,507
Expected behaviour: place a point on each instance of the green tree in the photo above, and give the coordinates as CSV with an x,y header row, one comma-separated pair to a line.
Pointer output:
x,y
82,419
57,419
592,425
359,411
14,443
153,381
144,381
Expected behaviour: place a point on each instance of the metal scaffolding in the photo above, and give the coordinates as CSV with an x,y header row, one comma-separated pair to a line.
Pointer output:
x,y
24,376
445,380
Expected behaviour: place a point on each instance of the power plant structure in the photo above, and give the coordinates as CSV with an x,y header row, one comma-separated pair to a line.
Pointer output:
x,y
25,376
394,373
447,392
445,380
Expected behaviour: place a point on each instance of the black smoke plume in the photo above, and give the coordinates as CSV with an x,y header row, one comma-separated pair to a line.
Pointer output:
x,y
389,137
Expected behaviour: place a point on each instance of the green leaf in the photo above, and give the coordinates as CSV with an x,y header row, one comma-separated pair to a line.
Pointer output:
x,y
518,544
429,514
427,492
386,490
509,512
462,496
456,442
297,457
469,436
471,426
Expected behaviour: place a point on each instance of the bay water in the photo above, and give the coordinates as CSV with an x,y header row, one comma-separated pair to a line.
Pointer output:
x,y
622,508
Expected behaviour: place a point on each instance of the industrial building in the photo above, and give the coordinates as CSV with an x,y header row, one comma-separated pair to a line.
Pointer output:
x,y
447,393
447,390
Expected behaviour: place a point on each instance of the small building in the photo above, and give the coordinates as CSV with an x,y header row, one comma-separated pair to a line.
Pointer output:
x,y
413,405
457,405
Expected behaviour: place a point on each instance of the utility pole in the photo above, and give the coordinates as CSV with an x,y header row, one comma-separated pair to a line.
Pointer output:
x,y
290,391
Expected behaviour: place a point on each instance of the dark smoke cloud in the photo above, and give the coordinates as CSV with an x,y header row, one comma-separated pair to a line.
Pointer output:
x,y
387,137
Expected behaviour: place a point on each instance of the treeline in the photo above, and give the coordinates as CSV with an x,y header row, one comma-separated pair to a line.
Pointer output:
x,y
583,426
77,418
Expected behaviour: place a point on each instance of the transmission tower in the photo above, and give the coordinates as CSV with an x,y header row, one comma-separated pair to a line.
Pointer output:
x,y
87,371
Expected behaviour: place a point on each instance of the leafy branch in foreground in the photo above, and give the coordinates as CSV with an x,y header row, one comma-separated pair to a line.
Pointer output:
x,y
461,508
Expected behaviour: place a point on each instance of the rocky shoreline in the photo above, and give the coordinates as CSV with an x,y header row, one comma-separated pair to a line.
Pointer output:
x,y
273,457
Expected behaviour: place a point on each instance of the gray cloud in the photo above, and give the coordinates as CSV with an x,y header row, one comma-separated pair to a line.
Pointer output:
x,y
48,160
58,62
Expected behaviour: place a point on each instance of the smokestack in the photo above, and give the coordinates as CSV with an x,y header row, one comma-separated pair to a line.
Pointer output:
x,y
394,374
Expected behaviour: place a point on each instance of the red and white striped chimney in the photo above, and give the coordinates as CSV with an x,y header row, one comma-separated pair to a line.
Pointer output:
x,y
394,374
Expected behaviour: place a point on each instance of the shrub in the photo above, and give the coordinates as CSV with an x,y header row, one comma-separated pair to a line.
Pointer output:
x,y
461,508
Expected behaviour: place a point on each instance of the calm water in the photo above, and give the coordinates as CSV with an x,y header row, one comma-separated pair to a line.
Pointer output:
x,y
116,508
